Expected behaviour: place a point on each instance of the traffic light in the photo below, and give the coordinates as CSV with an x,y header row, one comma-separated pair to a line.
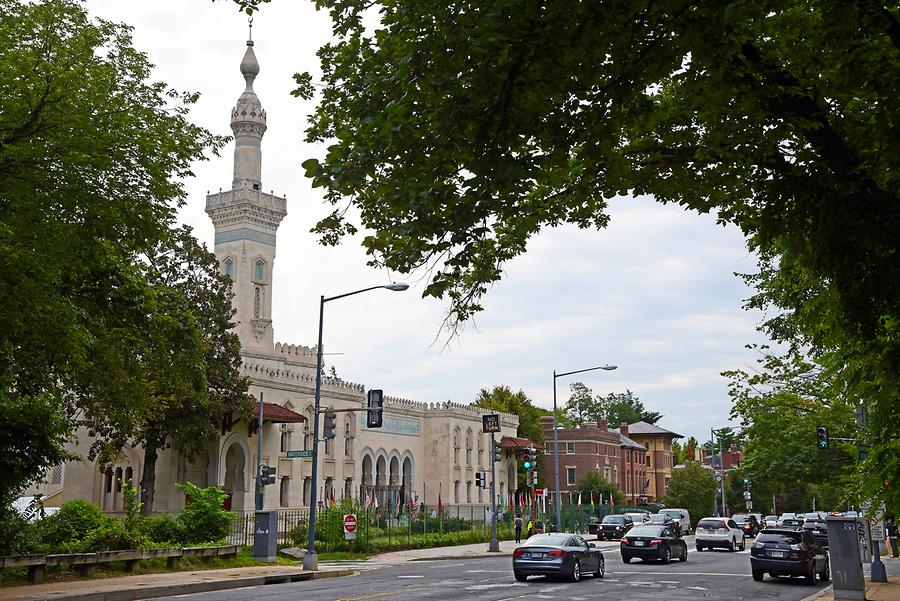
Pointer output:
x,y
374,412
527,465
329,425
746,483
822,436
532,456
498,452
534,475
266,475
479,479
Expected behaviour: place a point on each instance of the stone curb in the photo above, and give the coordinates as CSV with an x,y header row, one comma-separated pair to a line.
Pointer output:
x,y
167,590
821,593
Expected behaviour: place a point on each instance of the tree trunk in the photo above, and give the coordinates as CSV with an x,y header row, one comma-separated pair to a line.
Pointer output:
x,y
148,479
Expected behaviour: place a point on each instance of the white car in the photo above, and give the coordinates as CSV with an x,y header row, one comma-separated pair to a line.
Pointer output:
x,y
681,516
770,520
638,517
719,532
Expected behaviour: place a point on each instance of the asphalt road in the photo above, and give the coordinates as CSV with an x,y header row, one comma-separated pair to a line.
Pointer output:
x,y
707,575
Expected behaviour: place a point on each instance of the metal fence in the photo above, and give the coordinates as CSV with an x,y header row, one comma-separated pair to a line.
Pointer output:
x,y
241,532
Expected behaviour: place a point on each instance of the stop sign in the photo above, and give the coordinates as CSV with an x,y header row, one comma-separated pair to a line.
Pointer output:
x,y
349,524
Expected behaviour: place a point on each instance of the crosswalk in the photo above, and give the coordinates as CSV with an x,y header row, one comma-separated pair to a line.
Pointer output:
x,y
357,566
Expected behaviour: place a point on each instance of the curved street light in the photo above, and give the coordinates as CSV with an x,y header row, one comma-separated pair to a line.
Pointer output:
x,y
556,432
310,559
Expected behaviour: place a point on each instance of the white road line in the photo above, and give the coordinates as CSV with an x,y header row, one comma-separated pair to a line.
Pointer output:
x,y
679,573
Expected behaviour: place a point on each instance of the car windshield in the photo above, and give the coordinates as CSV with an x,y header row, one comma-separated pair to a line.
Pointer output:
x,y
740,519
672,514
771,517
645,531
546,540
613,519
659,519
707,523
781,538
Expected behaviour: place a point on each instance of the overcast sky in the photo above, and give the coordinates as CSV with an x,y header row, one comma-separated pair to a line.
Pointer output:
x,y
654,293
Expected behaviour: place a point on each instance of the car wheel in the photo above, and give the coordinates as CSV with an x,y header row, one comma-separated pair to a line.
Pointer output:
x,y
602,569
626,559
576,571
731,545
743,543
699,549
757,575
667,556
825,575
810,576
520,576
684,554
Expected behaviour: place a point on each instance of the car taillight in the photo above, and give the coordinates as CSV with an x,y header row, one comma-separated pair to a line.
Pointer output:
x,y
557,553
518,553
625,541
656,541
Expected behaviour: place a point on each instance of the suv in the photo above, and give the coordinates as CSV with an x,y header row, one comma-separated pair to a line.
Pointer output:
x,y
613,527
719,532
785,552
747,522
681,516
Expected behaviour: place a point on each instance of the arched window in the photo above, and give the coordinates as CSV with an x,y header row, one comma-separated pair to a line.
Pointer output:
x,y
229,267
456,447
469,449
259,271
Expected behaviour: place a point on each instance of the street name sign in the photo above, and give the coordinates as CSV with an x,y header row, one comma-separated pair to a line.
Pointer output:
x,y
298,454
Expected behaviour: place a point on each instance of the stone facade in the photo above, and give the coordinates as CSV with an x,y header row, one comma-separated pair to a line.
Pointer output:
x,y
424,449
658,444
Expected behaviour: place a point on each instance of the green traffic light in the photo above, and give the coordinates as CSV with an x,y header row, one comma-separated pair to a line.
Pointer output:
x,y
527,465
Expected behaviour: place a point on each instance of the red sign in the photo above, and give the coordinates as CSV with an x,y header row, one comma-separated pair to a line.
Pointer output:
x,y
350,526
539,492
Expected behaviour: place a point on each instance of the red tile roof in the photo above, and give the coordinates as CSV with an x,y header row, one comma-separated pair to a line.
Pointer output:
x,y
510,442
277,414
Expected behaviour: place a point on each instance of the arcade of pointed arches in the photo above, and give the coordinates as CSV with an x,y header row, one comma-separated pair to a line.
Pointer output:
x,y
385,473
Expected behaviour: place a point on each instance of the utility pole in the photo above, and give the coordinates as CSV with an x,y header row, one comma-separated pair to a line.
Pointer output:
x,y
494,545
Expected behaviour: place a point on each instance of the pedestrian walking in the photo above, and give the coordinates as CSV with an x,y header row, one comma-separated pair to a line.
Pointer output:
x,y
530,528
890,528
517,524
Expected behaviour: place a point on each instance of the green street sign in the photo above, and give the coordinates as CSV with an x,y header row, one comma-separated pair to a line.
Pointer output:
x,y
296,454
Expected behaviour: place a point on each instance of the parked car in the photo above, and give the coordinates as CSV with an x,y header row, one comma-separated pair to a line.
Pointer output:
x,y
719,532
661,519
786,552
561,554
819,530
746,522
770,520
638,517
614,527
681,516
812,515
652,542
786,516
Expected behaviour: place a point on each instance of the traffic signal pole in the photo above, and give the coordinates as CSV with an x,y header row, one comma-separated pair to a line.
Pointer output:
x,y
259,434
494,545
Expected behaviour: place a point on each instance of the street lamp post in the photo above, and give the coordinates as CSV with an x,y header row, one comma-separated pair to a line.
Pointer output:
x,y
310,559
556,435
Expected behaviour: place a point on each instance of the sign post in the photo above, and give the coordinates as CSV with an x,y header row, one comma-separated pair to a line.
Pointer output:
x,y
490,423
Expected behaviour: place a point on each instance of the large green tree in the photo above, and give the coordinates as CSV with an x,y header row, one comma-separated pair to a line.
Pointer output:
x,y
502,398
459,130
692,487
600,487
620,408
91,160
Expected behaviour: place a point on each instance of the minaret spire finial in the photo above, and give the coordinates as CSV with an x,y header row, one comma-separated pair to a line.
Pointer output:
x,y
250,32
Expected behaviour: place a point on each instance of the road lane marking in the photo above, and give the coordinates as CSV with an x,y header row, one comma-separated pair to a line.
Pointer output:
x,y
484,587
411,576
384,594
678,573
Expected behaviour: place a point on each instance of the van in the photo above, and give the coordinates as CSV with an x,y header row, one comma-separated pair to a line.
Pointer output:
x,y
681,516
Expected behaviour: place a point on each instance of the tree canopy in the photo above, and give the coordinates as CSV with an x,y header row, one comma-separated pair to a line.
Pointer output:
x,y
92,158
616,408
459,131
692,487
601,488
502,398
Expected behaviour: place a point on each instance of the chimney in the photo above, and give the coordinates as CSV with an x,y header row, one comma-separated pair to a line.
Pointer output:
x,y
603,425
624,429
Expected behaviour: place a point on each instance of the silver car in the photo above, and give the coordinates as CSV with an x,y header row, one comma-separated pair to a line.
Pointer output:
x,y
567,555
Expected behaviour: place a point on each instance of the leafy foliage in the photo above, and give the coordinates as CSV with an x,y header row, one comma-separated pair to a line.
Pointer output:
x,y
204,519
92,159
692,487
461,130
616,408
598,485
501,398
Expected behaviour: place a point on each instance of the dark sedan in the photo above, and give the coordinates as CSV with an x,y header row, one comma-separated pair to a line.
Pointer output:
x,y
661,519
788,552
747,522
819,531
614,527
567,555
652,542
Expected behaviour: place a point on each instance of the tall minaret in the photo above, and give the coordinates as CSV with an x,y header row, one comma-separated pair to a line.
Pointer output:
x,y
246,219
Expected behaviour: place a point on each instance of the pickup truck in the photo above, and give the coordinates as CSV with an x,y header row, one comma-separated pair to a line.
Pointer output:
x,y
613,527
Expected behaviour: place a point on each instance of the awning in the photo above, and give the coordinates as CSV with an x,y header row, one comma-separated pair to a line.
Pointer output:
x,y
511,442
277,414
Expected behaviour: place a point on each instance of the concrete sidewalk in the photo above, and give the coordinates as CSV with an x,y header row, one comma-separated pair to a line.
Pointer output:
x,y
147,586
875,591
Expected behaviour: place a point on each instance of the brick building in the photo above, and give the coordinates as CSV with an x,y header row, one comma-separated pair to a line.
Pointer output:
x,y
658,457
594,448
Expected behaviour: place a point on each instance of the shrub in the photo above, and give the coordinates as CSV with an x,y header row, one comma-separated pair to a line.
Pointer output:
x,y
204,520
299,534
71,525
163,529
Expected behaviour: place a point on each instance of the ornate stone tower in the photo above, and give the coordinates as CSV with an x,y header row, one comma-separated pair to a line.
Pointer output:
x,y
246,219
